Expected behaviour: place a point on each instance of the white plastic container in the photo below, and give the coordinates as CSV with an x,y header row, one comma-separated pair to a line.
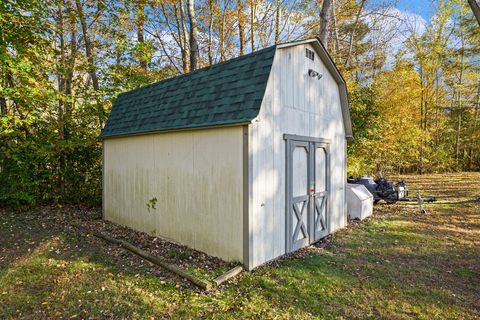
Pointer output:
x,y
359,201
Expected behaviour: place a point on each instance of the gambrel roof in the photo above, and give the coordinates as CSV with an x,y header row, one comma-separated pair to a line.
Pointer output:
x,y
226,93
229,92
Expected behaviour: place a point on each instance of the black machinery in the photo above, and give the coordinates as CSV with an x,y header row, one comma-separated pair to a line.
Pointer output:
x,y
382,189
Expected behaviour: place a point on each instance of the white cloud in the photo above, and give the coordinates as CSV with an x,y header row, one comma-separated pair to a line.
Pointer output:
x,y
396,26
390,27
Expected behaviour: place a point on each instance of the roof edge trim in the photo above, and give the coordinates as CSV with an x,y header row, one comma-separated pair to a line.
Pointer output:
x,y
141,133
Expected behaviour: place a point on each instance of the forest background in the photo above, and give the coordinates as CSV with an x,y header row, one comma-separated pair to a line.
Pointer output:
x,y
414,84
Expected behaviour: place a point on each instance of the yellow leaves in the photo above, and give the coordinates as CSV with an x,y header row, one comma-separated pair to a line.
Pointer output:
x,y
395,135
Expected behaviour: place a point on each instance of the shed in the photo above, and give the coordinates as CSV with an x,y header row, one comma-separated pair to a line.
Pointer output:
x,y
244,160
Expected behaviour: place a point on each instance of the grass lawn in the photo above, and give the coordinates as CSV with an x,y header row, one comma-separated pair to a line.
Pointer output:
x,y
398,264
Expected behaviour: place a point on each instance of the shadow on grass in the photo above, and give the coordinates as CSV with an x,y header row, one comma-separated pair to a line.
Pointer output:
x,y
47,273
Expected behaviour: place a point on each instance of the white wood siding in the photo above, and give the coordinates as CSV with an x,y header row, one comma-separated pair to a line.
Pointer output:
x,y
197,178
294,103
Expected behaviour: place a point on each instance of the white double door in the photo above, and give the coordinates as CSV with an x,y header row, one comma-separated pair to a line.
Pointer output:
x,y
307,192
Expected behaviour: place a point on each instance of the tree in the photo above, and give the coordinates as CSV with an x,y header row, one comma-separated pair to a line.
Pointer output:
x,y
352,33
324,20
277,22
241,31
140,33
414,107
210,31
252,24
475,9
92,69
193,36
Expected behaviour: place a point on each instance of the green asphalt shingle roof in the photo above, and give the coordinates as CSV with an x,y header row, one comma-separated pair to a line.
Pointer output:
x,y
225,93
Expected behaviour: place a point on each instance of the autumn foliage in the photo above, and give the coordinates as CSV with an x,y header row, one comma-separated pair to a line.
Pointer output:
x,y
414,85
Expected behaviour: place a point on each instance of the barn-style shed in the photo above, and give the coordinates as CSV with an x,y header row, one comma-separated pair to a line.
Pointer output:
x,y
244,160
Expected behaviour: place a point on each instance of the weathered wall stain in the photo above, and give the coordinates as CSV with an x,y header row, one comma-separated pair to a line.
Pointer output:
x,y
196,178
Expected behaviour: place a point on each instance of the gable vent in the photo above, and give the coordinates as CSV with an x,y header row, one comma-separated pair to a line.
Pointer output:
x,y
309,54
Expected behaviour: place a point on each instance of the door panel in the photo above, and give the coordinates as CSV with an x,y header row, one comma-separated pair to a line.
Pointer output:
x,y
307,192
319,223
300,160
300,199
320,168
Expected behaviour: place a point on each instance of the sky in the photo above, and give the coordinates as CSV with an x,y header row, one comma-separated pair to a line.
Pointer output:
x,y
423,8
399,21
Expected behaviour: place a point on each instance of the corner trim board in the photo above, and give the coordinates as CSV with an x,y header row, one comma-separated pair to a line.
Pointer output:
x,y
103,180
247,196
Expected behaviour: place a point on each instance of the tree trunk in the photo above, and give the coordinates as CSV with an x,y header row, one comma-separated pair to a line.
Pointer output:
x,y
140,32
3,112
60,114
88,46
352,34
459,128
476,9
459,103
210,32
193,36
437,107
7,81
241,31
92,70
182,34
252,25
474,129
3,106
277,22
422,102
71,64
336,44
374,61
68,105
183,23
222,36
324,18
